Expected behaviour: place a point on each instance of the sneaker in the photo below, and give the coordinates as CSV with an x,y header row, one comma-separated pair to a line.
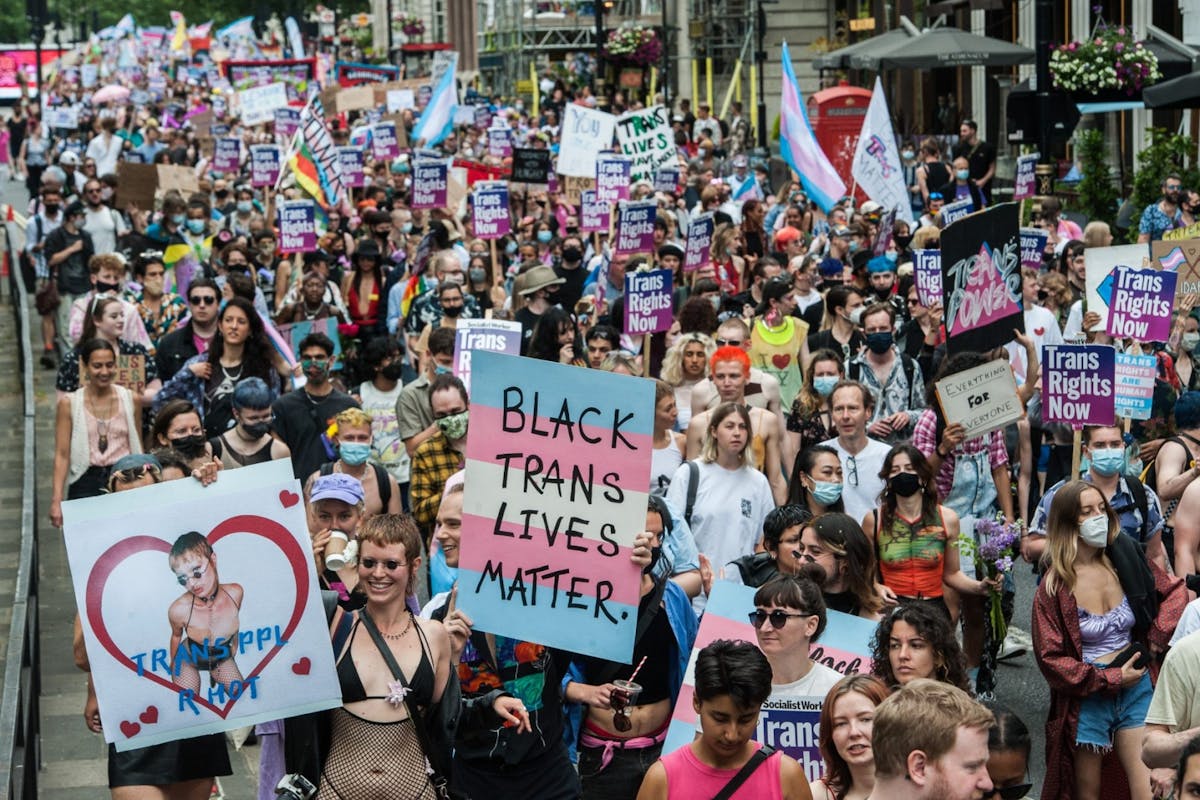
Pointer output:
x,y
1015,644
48,360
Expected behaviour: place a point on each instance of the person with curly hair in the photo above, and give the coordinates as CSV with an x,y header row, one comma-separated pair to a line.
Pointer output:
x,y
915,641
684,365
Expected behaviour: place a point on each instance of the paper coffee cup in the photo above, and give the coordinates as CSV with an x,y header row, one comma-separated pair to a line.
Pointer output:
x,y
335,549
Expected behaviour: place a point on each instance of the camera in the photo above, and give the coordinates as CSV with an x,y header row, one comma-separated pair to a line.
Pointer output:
x,y
295,787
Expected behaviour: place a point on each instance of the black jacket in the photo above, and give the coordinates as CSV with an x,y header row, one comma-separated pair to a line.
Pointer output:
x,y
173,350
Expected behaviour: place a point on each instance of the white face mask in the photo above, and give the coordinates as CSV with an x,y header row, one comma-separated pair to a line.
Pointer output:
x,y
1094,531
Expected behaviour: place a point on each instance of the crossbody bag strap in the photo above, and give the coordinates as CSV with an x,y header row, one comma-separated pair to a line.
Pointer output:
x,y
743,775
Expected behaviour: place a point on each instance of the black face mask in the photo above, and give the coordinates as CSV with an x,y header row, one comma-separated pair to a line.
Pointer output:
x,y
902,241
102,287
189,446
572,254
904,484
452,311
256,429
655,555
393,371
52,208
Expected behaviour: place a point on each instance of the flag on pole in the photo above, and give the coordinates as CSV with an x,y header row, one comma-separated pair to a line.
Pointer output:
x,y
314,158
179,38
877,167
437,120
747,189
238,29
799,146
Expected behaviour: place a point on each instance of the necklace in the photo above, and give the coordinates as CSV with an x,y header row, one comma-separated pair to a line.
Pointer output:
x,y
311,313
397,636
101,424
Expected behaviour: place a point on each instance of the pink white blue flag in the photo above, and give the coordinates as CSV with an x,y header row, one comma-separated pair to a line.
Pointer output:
x,y
799,146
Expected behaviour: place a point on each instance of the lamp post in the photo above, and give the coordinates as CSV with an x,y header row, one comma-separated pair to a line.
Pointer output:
x,y
760,61
1044,22
598,78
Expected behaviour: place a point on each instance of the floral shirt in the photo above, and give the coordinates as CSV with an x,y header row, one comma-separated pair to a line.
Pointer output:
x,y
426,311
896,394
166,319
1156,223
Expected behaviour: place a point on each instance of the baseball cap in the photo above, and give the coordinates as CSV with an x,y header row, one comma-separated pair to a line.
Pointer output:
x,y
774,289
337,486
841,231
69,157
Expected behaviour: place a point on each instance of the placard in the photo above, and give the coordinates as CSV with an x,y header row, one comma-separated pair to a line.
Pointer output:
x,y
635,227
483,335
1025,181
269,655
613,178
429,184
594,216
355,99
952,212
1139,303
482,117
927,275
648,306
258,104
1179,234
981,280
266,160
1135,376
585,132
1099,263
697,252
490,217
1181,257
178,178
287,121
1077,384
400,99
297,226
1033,245
645,137
136,183
227,156
294,332
62,118
384,143
786,722
130,372
349,74
351,160
666,179
530,165
558,464
982,398
500,142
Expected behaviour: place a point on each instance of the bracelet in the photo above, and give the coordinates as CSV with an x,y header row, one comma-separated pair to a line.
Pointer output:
x,y
940,453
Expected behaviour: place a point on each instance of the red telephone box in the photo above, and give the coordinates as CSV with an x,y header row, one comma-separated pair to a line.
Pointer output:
x,y
837,115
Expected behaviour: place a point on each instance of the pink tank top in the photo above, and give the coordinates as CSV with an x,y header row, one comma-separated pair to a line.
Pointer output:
x,y
689,778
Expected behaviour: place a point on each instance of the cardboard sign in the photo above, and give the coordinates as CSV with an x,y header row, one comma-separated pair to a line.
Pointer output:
x,y
530,165
355,98
594,216
981,280
500,142
351,159
1135,376
1099,263
262,653
1025,181
1033,245
384,144
1181,257
483,335
130,372
645,136
613,178
1139,304
266,160
953,212
983,398
558,461
635,227
490,217
136,183
429,184
927,274
584,133
787,723
1179,234
172,177
697,251
572,188
1077,384
297,226
227,156
259,104
287,121
400,99
648,306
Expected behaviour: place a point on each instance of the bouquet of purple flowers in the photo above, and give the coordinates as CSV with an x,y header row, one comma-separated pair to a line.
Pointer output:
x,y
994,548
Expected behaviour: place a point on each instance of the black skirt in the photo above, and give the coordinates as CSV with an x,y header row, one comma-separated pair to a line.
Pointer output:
x,y
170,762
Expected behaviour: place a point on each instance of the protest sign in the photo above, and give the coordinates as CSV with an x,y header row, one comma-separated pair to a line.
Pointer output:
x,y
697,251
635,227
295,74
463,115
429,184
1135,377
927,274
788,723
62,118
1077,384
130,372
594,215
483,335
612,178
490,218
297,226
648,302
294,332
400,99
982,399
645,137
953,212
177,177
355,99
1033,244
349,74
666,179
1099,263
384,144
136,183
981,280
1024,183
530,165
139,561
500,142
287,121
1179,234
1139,303
572,188
265,162
258,104
482,117
585,132
351,159
558,461
883,236
1181,257
876,167
227,155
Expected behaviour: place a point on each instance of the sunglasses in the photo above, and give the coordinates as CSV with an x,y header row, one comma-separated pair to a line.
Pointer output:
x,y
195,575
852,471
1010,792
729,342
203,300
389,565
778,618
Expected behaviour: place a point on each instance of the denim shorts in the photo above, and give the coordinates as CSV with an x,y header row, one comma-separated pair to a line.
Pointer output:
x,y
1103,714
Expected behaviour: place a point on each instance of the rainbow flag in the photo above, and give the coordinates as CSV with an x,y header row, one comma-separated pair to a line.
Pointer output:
x,y
415,287
308,174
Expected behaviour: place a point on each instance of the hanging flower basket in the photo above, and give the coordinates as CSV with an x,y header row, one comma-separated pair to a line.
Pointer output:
x,y
1110,61
633,44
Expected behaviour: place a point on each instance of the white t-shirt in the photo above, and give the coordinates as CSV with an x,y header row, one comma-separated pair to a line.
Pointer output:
x,y
817,683
861,483
1042,327
104,226
385,430
1188,623
1176,703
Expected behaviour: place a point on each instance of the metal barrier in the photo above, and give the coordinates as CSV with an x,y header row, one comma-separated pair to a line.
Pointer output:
x,y
20,703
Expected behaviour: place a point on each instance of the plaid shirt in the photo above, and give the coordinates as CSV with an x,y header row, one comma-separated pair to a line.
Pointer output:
x,y
432,465
924,438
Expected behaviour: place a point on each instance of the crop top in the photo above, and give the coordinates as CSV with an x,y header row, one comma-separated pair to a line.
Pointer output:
x,y
420,682
1102,634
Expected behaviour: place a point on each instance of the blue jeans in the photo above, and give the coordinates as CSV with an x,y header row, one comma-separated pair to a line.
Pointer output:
x,y
1103,714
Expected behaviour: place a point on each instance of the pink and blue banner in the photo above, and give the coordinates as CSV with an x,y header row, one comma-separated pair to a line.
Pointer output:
x,y
1139,303
297,226
1078,382
490,217
558,464
786,723
227,155
698,251
265,162
613,178
430,184
635,227
648,302
799,147
594,215
1135,385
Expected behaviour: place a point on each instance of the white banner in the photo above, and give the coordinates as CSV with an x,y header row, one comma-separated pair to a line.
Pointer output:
x,y
585,133
258,105
877,167
646,137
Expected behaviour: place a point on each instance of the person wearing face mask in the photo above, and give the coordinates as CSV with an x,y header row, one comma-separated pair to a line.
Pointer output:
x,y
68,250
106,272
779,340
570,269
383,360
443,453
844,305
302,415
1164,215
962,187
1137,506
1102,613
427,310
352,436
249,441
160,310
241,215
413,409
195,230
894,378
816,482
177,425
809,422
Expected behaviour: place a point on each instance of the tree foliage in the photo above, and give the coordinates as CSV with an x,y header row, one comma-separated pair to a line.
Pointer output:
x,y
1167,152
1097,194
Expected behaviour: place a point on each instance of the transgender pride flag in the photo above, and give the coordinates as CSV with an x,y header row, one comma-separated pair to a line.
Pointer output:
x,y
799,146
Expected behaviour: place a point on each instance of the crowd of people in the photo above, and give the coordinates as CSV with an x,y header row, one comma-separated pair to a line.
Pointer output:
x,y
799,449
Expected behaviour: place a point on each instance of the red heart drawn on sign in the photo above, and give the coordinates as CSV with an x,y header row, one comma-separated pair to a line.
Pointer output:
x,y
1039,331
150,715
302,666
781,360
244,524
288,499
130,729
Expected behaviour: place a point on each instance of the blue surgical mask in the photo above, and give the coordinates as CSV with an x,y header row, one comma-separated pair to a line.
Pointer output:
x,y
245,206
892,256
354,453
545,236
511,248
406,227
438,369
962,174
907,155
853,245
195,225
179,219
824,384
1108,461
826,493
